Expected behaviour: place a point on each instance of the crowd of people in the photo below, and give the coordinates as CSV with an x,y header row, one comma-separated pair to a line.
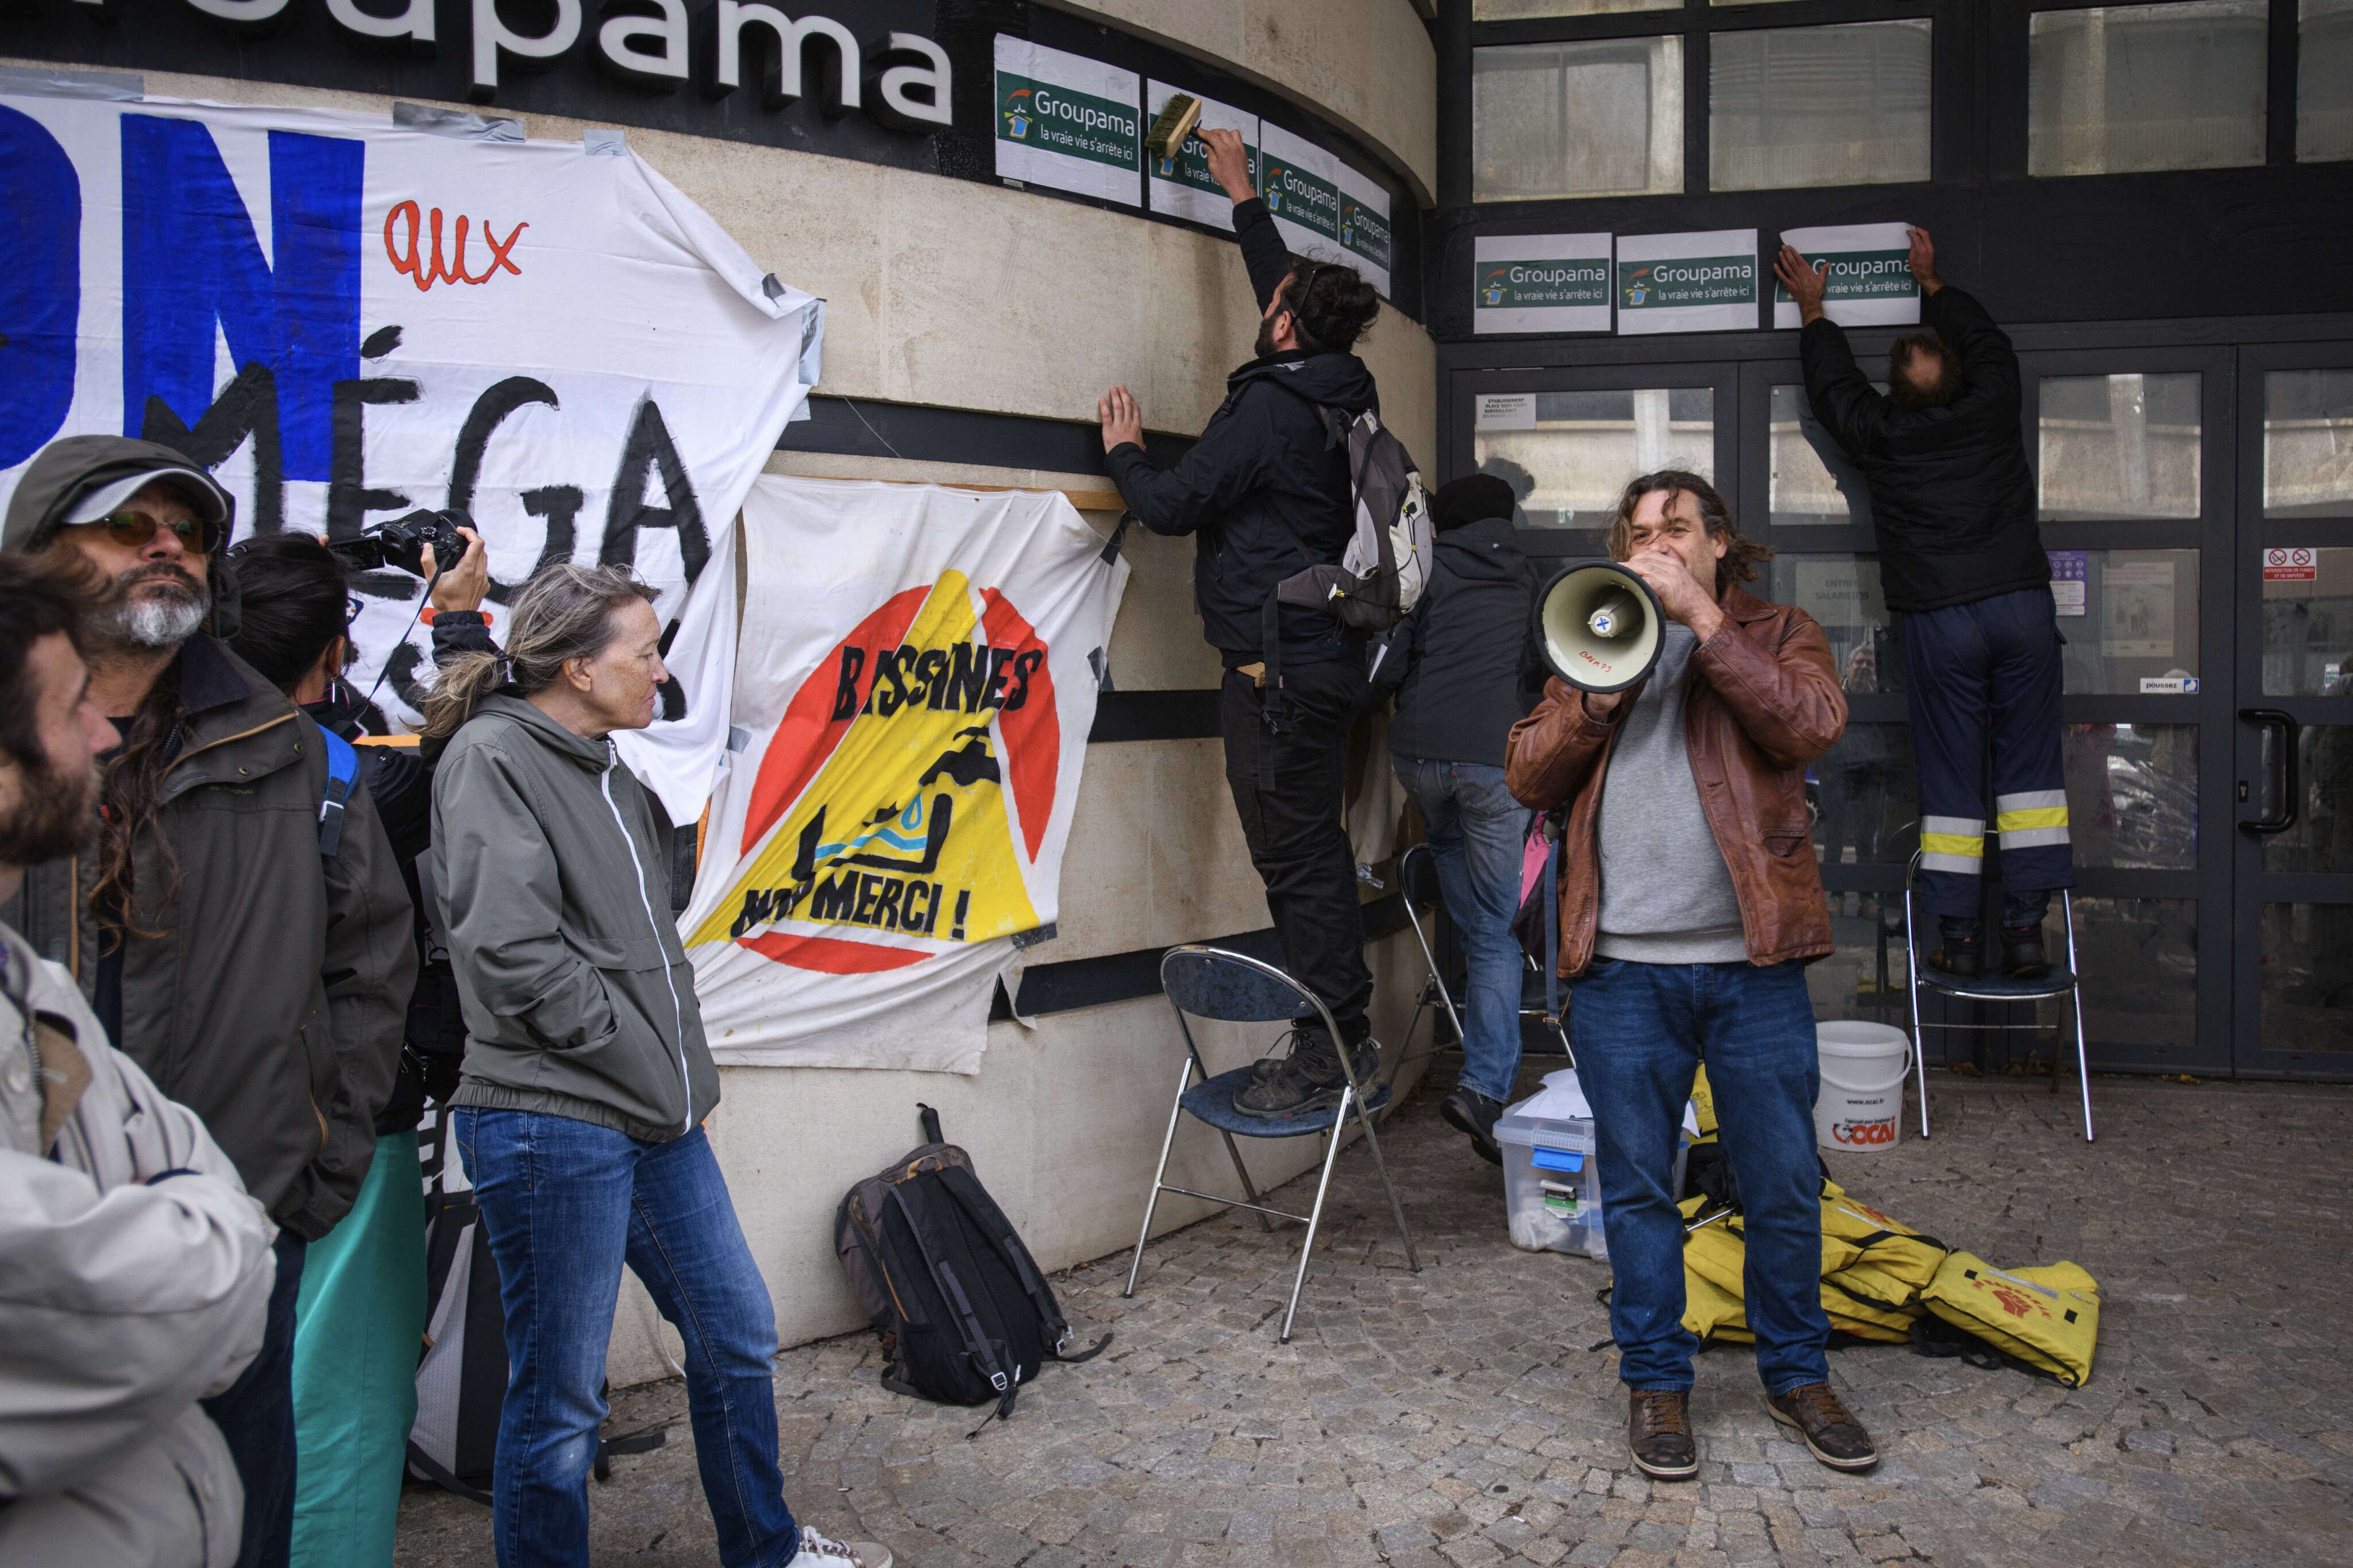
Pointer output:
x,y
244,953
1690,892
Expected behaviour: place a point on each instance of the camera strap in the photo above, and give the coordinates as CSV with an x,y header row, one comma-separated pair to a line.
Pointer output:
x,y
343,771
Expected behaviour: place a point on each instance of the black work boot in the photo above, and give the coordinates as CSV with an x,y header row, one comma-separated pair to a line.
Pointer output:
x,y
1962,957
2021,952
1659,1433
1836,1437
1473,1115
1309,1078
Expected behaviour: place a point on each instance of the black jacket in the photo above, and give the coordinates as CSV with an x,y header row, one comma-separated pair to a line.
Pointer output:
x,y
1951,493
1264,491
399,779
1463,664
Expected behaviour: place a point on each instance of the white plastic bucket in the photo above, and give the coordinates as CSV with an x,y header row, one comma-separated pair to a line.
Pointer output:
x,y
1861,1107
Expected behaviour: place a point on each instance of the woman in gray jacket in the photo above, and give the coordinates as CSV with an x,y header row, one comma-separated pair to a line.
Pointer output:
x,y
579,1116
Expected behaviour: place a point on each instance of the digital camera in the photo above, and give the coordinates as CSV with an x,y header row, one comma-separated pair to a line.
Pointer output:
x,y
401,542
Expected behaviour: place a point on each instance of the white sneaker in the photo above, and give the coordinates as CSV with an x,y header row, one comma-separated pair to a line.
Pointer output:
x,y
818,1551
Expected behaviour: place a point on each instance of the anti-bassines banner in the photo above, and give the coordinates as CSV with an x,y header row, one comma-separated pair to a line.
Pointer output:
x,y
917,678
348,319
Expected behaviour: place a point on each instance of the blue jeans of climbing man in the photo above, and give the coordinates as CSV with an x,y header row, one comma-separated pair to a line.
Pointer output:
x,y
1988,669
1640,1032
1476,829
566,1204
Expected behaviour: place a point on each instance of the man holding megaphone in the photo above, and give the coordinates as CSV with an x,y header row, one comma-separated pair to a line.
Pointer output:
x,y
1689,901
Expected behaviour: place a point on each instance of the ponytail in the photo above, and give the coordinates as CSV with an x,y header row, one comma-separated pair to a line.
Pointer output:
x,y
564,613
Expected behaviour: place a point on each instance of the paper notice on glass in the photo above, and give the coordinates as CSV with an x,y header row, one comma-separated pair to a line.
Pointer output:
x,y
1068,122
1842,591
2070,580
1181,187
1541,283
1700,283
1870,281
2136,610
1508,411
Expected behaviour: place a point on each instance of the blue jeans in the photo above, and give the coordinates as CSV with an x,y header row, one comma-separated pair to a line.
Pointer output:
x,y
1988,670
1476,830
256,1417
566,1203
1640,1031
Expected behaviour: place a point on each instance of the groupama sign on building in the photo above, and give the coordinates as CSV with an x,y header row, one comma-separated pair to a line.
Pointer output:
x,y
1071,123
1867,274
1541,283
1687,282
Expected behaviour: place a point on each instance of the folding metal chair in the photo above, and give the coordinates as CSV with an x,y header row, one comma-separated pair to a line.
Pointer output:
x,y
2062,981
1418,880
1210,983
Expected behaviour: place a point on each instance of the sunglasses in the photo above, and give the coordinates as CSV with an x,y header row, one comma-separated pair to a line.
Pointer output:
x,y
132,529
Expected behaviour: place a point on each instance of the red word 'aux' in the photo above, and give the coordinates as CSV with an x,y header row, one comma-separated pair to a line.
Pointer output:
x,y
428,272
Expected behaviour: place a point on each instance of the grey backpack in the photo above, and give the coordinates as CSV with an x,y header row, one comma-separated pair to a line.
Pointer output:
x,y
1380,576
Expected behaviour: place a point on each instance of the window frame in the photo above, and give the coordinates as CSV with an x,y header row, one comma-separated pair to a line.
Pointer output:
x,y
1978,68
1697,21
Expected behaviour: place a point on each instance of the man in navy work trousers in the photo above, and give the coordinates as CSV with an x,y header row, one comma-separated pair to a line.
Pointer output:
x,y
1690,902
1466,671
1265,493
1962,564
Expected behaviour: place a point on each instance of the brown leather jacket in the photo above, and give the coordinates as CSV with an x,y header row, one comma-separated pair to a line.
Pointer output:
x,y
1764,703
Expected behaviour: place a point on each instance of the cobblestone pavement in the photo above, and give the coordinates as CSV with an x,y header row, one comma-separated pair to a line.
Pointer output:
x,y
1457,1416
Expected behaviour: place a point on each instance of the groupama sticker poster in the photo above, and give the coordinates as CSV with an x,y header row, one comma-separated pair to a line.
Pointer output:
x,y
917,676
346,319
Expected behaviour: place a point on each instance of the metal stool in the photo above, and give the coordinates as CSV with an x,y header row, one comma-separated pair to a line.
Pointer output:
x,y
1212,983
2062,981
1418,881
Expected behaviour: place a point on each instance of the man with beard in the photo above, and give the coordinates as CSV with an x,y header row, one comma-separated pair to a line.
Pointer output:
x,y
260,980
1266,494
1953,502
139,1270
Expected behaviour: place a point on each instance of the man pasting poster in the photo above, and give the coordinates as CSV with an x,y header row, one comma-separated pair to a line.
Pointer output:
x,y
917,675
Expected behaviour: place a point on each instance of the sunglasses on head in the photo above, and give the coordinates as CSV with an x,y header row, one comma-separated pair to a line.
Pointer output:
x,y
132,529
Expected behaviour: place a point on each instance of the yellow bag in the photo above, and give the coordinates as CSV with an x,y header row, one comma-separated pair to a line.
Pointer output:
x,y
1702,1100
1713,1289
1712,1312
2048,1318
1896,1263
1866,1319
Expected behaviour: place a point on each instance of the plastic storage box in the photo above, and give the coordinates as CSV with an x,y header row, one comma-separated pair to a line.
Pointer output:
x,y
1552,1187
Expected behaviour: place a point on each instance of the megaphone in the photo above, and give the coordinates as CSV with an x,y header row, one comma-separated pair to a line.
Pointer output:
x,y
1601,625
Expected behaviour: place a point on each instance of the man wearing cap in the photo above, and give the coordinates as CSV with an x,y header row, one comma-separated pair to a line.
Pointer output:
x,y
259,980
1465,672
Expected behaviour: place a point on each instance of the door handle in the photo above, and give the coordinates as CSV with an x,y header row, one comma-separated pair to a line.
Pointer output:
x,y
2291,735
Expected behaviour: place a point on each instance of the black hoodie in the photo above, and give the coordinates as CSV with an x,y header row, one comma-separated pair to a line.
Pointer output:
x,y
1264,491
1463,662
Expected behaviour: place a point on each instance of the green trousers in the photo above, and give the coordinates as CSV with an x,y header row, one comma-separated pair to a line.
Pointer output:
x,y
359,1325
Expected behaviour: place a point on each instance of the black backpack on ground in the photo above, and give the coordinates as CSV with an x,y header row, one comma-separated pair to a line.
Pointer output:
x,y
965,1312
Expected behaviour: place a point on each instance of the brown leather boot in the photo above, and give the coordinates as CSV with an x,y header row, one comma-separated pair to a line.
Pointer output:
x,y
1836,1437
1659,1433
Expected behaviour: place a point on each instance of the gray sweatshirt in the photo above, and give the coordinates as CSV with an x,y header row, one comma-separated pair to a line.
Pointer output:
x,y
1666,896
549,860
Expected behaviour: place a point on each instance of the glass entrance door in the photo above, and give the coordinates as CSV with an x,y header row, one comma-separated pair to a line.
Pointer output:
x,y
2132,455
2292,843
2197,504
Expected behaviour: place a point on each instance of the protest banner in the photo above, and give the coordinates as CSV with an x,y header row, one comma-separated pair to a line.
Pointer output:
x,y
346,318
917,680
